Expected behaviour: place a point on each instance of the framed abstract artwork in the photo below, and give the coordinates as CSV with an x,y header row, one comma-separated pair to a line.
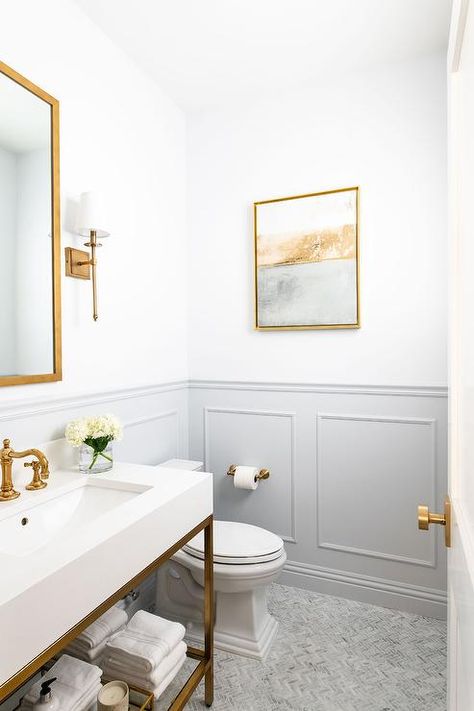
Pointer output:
x,y
307,261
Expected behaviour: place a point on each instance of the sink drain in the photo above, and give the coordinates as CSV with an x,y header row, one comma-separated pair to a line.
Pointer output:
x,y
24,521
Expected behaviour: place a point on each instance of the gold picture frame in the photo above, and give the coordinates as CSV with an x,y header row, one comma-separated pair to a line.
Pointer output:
x,y
56,373
292,249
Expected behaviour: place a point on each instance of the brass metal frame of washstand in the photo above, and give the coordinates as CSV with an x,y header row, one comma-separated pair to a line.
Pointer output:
x,y
205,657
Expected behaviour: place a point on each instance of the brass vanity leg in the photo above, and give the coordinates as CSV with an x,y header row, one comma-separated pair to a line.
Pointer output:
x,y
209,613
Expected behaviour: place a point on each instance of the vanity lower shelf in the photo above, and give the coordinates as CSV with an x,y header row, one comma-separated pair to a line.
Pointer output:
x,y
203,657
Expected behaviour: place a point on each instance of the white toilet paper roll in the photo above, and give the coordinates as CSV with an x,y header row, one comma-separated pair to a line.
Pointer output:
x,y
245,478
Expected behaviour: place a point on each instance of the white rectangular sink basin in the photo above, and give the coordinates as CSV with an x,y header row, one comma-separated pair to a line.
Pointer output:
x,y
41,524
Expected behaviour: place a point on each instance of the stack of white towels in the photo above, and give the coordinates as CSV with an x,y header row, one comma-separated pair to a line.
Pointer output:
x,y
75,689
90,644
148,653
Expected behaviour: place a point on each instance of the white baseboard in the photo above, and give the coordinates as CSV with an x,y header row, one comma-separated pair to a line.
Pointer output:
x,y
376,591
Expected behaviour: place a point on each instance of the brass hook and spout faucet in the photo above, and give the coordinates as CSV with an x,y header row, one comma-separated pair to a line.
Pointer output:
x,y
40,470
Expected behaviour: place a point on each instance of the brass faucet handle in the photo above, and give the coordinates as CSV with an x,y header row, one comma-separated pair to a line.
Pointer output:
x,y
36,482
5,452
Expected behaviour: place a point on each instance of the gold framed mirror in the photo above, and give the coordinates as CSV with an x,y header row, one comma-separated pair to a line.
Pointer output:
x,y
30,271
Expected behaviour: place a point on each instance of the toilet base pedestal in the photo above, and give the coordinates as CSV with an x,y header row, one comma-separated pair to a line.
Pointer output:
x,y
243,624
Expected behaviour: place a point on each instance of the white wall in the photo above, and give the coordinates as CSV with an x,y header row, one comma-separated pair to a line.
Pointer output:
x,y
119,134
383,130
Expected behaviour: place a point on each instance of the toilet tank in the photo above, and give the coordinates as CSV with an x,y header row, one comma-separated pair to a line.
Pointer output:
x,y
187,464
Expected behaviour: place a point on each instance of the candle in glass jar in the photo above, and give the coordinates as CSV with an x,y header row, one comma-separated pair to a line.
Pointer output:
x,y
113,697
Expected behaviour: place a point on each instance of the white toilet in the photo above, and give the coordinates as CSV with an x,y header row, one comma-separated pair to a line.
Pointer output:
x,y
246,560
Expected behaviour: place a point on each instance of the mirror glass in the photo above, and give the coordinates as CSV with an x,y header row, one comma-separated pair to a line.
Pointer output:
x,y
28,235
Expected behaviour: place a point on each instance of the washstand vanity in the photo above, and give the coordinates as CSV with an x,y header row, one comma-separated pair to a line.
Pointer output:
x,y
70,551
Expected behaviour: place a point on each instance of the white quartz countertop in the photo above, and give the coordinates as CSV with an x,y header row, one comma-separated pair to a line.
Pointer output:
x,y
155,486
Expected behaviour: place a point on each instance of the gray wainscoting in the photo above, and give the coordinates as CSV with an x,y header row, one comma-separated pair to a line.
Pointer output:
x,y
349,465
155,420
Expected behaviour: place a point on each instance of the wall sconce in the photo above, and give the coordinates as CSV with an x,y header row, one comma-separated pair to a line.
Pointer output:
x,y
90,224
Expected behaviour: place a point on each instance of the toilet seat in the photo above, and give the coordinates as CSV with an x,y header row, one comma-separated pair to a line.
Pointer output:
x,y
238,544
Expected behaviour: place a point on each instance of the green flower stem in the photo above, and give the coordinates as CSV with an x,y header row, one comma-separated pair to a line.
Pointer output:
x,y
98,446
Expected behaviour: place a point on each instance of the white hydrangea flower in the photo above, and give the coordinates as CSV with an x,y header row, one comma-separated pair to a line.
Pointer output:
x,y
77,432
84,428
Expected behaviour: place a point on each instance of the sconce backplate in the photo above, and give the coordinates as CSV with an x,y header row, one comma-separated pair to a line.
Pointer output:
x,y
73,269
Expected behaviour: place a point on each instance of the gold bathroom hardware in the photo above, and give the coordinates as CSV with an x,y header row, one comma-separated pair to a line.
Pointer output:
x,y
90,224
79,265
36,482
7,455
262,474
426,517
41,251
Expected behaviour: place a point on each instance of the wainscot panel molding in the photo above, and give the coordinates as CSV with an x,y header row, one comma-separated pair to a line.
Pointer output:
x,y
390,441
356,459
154,438
390,467
230,429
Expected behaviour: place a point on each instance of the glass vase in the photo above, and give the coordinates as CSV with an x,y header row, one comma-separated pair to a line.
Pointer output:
x,y
92,461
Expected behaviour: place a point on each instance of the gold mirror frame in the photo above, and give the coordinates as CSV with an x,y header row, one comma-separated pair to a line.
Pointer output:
x,y
56,234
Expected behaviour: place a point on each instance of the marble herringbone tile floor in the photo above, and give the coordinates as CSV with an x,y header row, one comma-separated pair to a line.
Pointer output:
x,y
333,654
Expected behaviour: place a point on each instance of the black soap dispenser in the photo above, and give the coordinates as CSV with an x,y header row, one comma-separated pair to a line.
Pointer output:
x,y
47,700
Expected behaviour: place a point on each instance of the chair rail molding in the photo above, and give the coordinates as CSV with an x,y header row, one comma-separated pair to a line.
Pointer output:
x,y
429,391
43,406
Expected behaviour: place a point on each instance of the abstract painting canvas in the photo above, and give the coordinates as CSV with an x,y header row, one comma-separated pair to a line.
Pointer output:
x,y
307,261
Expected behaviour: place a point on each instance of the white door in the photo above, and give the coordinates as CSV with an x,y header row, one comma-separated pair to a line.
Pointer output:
x,y
461,477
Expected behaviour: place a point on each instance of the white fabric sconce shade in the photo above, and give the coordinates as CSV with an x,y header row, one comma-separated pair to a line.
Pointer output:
x,y
91,216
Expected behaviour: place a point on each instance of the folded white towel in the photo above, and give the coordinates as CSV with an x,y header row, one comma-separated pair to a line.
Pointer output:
x,y
69,699
75,680
90,655
145,642
166,682
115,669
100,630
76,649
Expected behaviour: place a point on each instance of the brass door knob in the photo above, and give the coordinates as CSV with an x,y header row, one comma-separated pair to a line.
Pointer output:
x,y
426,517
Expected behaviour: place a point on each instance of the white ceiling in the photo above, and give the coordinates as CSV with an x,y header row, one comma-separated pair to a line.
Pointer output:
x,y
207,52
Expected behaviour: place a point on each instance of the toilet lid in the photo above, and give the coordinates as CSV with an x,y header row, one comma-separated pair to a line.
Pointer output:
x,y
238,543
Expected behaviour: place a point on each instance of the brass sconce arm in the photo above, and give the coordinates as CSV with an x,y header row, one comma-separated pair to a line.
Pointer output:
x,y
93,244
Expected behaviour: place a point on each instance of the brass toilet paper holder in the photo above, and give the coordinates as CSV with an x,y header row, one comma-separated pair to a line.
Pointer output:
x,y
262,474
